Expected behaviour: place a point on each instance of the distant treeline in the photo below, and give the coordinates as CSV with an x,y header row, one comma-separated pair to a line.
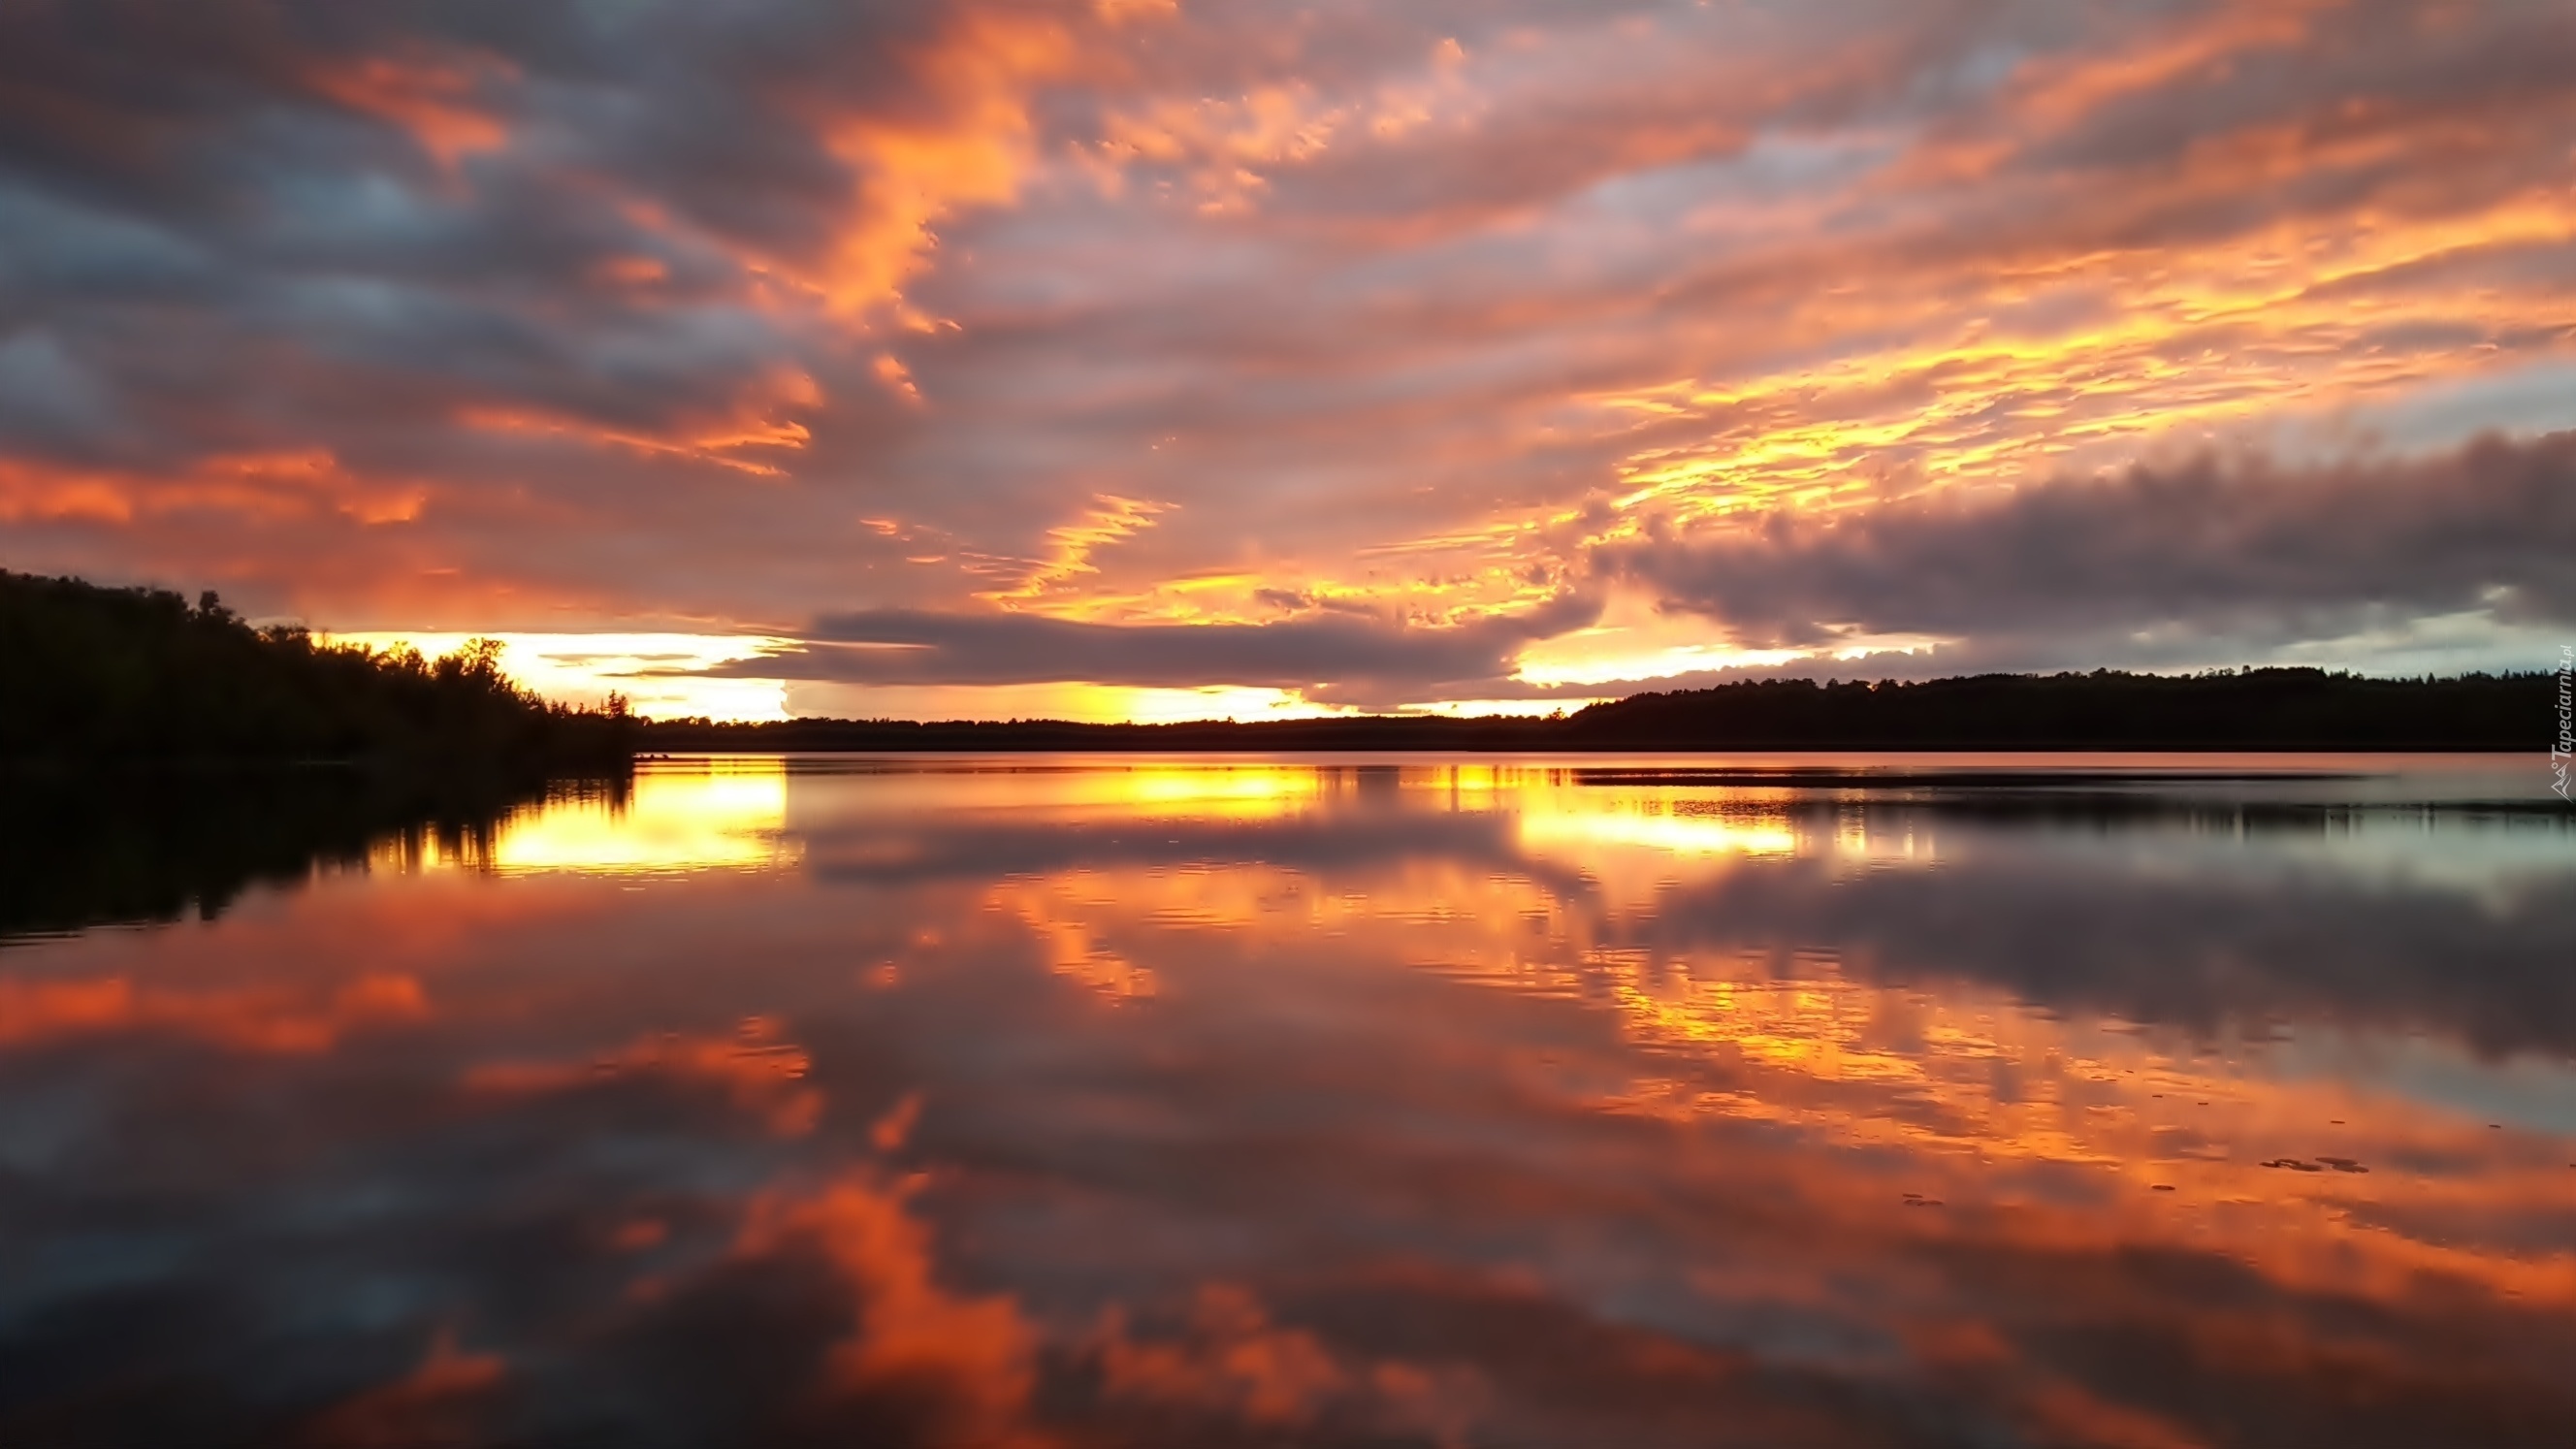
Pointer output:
x,y
91,675
2253,709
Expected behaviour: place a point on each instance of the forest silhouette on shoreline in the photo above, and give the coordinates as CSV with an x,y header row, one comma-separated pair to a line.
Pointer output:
x,y
2286,709
158,757
92,675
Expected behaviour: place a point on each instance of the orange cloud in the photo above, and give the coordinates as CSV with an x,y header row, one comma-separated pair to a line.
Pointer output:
x,y
269,487
975,1353
1235,1362
971,143
1069,558
435,1402
429,99
758,1072
631,271
270,1017
757,421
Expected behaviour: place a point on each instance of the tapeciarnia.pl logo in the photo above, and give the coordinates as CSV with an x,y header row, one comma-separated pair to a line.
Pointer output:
x,y
2560,748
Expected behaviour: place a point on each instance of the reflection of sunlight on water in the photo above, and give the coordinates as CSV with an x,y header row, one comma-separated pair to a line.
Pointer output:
x,y
680,815
1103,789
1637,843
1628,822
1701,821
1229,790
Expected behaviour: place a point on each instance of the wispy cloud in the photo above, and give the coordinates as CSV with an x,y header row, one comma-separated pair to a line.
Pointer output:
x,y
1329,656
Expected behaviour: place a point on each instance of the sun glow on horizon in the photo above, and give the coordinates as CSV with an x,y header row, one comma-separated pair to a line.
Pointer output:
x,y
658,673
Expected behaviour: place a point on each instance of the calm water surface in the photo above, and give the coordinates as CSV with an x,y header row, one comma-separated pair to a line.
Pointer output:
x,y
1105,1101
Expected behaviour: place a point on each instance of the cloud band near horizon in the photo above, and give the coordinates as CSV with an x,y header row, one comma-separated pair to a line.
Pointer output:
x,y
2208,560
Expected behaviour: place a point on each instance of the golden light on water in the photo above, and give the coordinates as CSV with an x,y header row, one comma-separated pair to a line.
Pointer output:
x,y
1580,832
723,814
719,814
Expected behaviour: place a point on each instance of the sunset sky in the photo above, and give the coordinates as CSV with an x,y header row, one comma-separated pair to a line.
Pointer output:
x,y
1128,359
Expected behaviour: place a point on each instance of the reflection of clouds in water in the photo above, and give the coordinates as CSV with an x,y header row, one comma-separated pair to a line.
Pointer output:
x,y
1306,1106
2224,936
1742,1029
2199,915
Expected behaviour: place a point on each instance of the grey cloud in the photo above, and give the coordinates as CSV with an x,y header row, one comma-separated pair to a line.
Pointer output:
x,y
43,392
191,188
2378,67
2213,547
1330,656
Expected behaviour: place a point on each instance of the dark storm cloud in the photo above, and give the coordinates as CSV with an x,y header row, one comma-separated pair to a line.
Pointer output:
x,y
1332,655
2211,547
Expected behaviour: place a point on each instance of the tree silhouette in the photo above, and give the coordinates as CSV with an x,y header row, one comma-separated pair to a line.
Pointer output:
x,y
89,673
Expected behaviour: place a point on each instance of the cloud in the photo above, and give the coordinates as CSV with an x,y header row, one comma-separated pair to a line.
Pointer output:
x,y
2215,547
1333,657
573,265
661,316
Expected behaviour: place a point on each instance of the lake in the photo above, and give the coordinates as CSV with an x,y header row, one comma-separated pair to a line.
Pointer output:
x,y
1103,1101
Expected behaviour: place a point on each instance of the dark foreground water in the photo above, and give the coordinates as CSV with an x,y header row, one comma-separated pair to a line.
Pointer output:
x,y
1107,1102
